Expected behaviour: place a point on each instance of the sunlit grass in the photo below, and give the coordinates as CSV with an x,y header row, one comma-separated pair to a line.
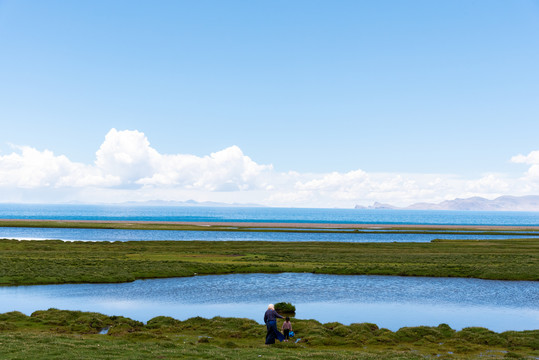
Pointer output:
x,y
48,262
57,334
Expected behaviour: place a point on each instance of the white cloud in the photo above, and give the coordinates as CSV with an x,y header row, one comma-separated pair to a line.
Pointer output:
x,y
491,183
126,155
126,159
533,172
128,168
31,168
531,159
353,180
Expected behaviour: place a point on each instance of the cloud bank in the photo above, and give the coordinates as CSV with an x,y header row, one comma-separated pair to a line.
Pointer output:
x,y
128,168
531,159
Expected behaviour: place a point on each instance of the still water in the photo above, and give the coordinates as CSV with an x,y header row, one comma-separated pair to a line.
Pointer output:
x,y
140,235
266,214
389,301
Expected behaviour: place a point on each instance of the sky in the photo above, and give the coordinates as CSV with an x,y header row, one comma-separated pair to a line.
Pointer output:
x,y
297,103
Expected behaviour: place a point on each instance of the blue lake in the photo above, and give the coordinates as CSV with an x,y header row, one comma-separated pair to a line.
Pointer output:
x,y
389,301
265,214
140,235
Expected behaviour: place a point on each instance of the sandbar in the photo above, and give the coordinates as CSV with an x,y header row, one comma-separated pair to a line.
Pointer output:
x,y
260,225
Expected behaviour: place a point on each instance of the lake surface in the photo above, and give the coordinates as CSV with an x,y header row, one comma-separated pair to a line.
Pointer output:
x,y
389,301
179,235
265,214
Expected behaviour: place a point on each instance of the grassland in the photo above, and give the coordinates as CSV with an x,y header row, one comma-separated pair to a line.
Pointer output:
x,y
55,262
57,334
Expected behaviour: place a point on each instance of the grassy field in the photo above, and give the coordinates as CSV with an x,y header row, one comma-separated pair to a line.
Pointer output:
x,y
54,262
57,334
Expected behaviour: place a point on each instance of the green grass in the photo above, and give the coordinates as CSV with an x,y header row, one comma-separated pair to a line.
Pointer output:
x,y
57,334
55,262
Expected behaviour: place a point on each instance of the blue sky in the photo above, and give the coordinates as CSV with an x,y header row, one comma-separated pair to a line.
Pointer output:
x,y
445,90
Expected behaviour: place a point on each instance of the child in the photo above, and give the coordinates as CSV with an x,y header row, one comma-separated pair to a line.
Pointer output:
x,y
286,328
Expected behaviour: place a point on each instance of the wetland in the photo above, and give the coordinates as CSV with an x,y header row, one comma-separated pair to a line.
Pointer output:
x,y
411,298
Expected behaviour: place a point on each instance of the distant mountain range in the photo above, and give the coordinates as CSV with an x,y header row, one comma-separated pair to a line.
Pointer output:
x,y
502,203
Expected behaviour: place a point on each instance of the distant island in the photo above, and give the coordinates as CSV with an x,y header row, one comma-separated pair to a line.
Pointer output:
x,y
502,203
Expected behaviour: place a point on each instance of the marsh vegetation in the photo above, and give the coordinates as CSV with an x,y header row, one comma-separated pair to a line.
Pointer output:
x,y
54,334
57,334
57,262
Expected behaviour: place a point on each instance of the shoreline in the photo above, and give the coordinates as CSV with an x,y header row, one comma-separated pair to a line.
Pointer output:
x,y
235,225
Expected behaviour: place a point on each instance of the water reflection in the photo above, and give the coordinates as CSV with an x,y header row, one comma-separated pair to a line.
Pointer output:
x,y
388,301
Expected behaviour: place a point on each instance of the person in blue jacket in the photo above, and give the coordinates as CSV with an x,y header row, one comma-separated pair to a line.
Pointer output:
x,y
270,318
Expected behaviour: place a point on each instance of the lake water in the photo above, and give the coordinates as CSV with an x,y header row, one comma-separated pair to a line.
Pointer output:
x,y
140,235
265,214
389,301
253,214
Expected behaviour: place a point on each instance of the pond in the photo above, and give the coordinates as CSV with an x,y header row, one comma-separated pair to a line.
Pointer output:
x,y
182,235
388,301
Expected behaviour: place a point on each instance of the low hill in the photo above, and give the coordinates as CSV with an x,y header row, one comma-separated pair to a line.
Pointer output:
x,y
502,203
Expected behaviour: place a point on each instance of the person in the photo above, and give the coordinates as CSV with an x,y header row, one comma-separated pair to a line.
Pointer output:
x,y
270,318
286,328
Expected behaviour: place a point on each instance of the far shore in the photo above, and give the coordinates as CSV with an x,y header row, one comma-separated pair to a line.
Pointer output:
x,y
230,226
